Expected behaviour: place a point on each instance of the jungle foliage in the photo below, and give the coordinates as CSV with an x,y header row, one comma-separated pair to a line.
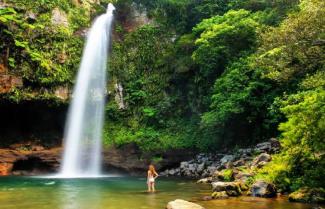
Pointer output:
x,y
211,75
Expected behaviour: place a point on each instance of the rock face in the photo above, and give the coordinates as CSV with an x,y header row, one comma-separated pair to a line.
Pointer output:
x,y
263,189
307,195
62,92
36,161
182,204
59,18
8,82
119,96
129,158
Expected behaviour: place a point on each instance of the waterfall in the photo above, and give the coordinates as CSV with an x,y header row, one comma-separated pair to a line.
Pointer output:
x,y
83,132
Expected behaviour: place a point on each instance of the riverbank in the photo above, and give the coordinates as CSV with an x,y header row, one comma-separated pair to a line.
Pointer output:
x,y
237,173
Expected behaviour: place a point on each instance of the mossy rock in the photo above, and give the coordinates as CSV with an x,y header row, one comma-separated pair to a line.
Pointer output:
x,y
243,186
230,188
220,195
224,175
308,195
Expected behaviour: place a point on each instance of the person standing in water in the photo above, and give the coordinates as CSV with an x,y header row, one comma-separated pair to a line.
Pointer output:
x,y
151,177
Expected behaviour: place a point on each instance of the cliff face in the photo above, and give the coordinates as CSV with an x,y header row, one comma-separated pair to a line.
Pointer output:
x,y
40,47
40,51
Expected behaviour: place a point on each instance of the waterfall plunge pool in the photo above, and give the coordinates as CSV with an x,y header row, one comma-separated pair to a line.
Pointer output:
x,y
118,193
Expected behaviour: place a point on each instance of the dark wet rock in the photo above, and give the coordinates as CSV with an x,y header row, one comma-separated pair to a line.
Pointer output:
x,y
263,189
308,195
182,204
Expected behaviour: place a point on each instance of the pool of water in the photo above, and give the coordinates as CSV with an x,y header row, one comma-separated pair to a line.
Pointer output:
x,y
117,193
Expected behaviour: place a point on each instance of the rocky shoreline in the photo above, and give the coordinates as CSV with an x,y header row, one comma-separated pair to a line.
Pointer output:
x,y
233,174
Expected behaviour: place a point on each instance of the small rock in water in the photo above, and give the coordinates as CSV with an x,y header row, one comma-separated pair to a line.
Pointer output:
x,y
182,204
219,195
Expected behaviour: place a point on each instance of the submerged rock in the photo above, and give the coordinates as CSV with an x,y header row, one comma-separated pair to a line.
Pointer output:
x,y
220,195
308,195
263,189
182,204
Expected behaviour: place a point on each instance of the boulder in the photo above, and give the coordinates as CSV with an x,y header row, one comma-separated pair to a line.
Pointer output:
x,y
261,160
308,195
231,188
182,204
263,189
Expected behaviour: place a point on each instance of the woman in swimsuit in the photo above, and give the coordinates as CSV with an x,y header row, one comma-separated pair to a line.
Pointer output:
x,y
152,175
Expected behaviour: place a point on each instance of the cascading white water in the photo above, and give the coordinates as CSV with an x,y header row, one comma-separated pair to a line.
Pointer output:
x,y
82,145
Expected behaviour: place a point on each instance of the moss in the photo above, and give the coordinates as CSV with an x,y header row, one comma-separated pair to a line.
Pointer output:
x,y
220,195
228,175
43,54
308,195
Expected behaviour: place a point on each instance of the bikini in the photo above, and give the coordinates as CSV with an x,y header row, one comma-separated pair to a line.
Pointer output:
x,y
151,178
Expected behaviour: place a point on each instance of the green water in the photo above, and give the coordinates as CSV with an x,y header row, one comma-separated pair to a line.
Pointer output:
x,y
116,193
